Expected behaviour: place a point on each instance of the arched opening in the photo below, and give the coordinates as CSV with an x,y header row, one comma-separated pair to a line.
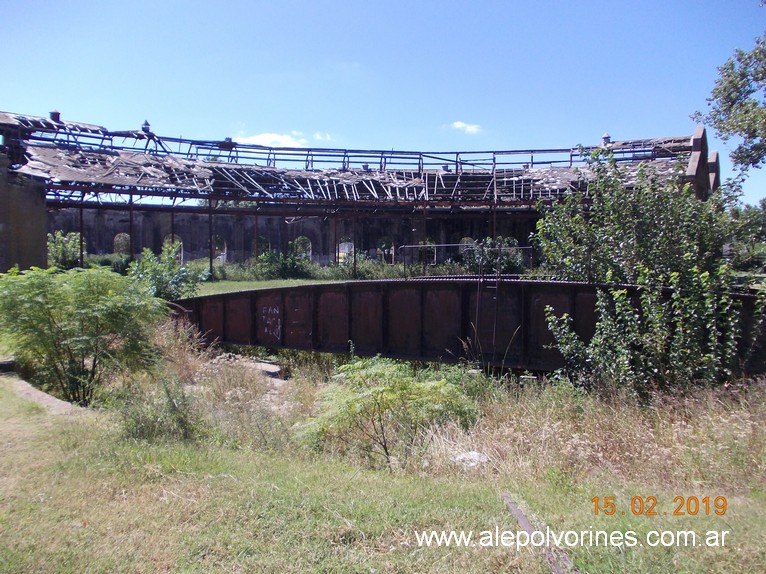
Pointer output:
x,y
220,252
261,245
466,243
301,246
386,250
427,252
121,244
345,249
174,238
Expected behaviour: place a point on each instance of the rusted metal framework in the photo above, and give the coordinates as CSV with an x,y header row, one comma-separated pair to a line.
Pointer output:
x,y
495,320
88,165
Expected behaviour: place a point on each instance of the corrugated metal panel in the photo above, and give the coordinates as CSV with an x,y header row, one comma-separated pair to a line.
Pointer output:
x,y
495,316
299,315
442,322
540,355
211,318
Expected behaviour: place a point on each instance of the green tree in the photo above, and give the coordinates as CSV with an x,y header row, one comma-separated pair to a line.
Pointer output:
x,y
75,328
489,256
164,274
617,229
738,104
64,250
656,234
749,245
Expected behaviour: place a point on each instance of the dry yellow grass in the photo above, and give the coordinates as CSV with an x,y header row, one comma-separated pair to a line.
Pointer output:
x,y
710,437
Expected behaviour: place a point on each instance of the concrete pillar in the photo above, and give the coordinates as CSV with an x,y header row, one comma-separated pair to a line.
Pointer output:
x,y
23,221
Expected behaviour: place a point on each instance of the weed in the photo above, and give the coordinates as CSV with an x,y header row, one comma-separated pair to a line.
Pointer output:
x,y
381,410
163,411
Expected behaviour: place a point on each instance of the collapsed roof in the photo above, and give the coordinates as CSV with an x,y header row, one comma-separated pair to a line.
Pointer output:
x,y
80,162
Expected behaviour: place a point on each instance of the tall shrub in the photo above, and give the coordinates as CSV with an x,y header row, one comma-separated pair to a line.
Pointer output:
x,y
660,338
380,409
164,274
64,250
683,327
489,256
75,328
618,229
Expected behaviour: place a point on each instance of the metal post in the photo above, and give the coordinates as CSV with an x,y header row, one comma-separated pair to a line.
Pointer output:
x,y
210,233
172,226
334,226
255,243
130,228
82,231
354,243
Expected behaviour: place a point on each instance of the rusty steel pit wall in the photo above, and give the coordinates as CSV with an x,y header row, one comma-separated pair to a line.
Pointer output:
x,y
498,322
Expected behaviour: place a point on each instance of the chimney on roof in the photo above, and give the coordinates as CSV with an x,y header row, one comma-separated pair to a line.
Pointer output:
x,y
55,116
227,143
146,128
606,139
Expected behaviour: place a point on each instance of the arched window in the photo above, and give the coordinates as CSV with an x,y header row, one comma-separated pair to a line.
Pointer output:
x,y
219,249
302,247
175,238
261,245
121,243
345,249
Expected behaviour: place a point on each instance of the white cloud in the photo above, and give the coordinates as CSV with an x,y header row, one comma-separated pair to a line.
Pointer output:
x,y
320,137
467,128
293,139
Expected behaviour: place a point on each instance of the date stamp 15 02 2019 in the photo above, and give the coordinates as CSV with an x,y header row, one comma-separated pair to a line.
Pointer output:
x,y
647,506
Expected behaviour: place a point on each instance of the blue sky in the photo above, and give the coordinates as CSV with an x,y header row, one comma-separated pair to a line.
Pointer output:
x,y
405,75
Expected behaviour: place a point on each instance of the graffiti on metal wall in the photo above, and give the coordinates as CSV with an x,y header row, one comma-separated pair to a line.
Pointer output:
x,y
271,321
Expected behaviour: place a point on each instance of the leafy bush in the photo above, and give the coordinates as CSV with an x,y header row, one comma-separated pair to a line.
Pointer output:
x,y
164,274
64,250
380,409
501,255
290,265
748,248
77,327
274,265
658,236
367,268
117,262
651,225
660,340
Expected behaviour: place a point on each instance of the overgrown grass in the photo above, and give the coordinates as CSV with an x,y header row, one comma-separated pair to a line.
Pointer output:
x,y
247,495
216,287
78,498
273,266
577,446
710,437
